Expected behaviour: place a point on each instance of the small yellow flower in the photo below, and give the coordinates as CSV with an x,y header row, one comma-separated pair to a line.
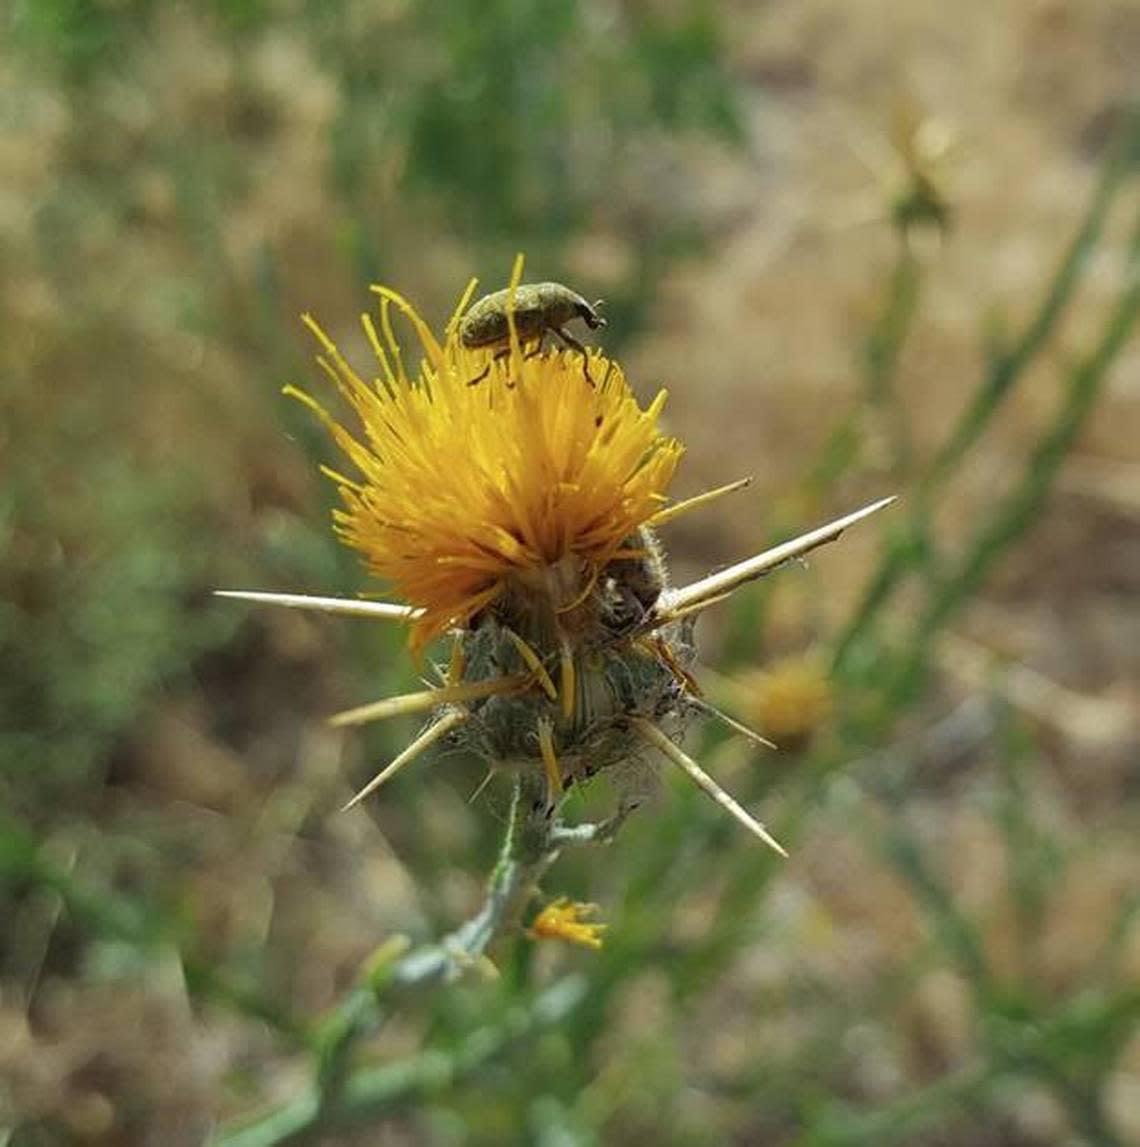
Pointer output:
x,y
529,474
564,919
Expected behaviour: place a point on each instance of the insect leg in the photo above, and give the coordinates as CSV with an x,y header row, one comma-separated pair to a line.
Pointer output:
x,y
498,356
574,344
480,376
535,350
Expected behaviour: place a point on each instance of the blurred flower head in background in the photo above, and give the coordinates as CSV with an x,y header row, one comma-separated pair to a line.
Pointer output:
x,y
790,700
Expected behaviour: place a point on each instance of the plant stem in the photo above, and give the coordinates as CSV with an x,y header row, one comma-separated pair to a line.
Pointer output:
x,y
372,1093
339,1096
1007,369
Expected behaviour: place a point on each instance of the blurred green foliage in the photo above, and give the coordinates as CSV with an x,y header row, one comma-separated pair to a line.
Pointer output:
x,y
144,465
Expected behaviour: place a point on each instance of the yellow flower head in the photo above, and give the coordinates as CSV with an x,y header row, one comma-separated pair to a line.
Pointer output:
x,y
564,919
490,469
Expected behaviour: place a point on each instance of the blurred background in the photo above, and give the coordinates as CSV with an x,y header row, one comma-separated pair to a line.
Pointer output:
x,y
870,249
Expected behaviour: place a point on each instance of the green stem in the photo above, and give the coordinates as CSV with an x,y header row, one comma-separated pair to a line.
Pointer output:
x,y
881,354
372,1093
1004,373
340,1097
528,849
1021,507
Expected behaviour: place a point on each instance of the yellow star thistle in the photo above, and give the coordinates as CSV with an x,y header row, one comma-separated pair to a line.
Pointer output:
x,y
466,488
564,919
511,493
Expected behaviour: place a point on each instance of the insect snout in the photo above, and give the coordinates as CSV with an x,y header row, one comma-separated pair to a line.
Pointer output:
x,y
589,314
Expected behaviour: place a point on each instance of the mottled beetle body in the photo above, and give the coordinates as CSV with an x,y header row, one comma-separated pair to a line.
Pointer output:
x,y
538,308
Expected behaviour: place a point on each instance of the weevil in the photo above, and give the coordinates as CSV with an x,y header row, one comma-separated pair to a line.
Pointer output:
x,y
539,308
